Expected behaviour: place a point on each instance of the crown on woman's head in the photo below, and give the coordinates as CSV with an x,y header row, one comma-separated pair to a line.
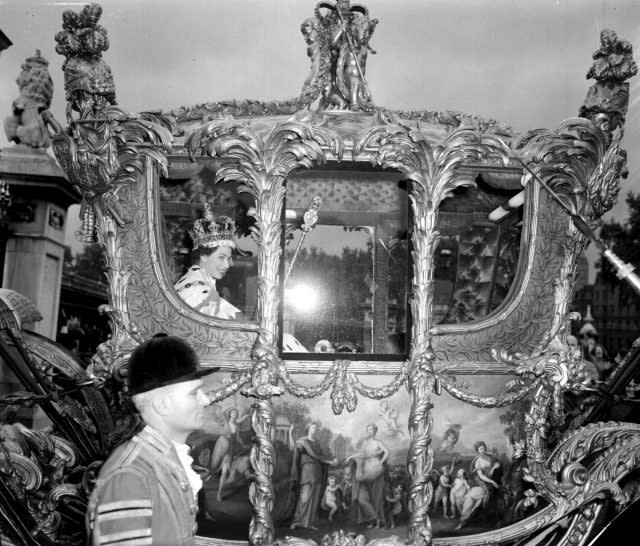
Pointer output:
x,y
209,232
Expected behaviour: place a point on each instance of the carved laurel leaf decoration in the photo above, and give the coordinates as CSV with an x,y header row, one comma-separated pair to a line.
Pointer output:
x,y
229,388
485,401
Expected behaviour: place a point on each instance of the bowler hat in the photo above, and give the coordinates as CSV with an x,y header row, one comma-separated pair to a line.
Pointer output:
x,y
163,360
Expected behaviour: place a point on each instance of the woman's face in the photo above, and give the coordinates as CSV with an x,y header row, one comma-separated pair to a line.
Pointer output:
x,y
218,262
598,352
371,432
482,448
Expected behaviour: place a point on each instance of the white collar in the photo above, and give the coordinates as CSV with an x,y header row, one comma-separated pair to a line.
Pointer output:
x,y
182,450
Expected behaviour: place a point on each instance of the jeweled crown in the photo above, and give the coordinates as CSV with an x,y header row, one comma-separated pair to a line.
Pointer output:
x,y
208,232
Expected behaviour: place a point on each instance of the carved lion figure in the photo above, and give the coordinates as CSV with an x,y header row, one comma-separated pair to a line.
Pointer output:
x,y
24,126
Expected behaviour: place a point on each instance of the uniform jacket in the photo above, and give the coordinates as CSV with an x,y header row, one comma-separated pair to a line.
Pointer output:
x,y
142,496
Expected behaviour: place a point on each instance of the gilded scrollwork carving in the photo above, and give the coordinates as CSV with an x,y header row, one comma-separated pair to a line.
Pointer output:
x,y
104,146
591,439
260,162
558,371
608,98
111,356
573,161
576,162
604,183
154,306
39,470
242,108
578,165
433,171
103,150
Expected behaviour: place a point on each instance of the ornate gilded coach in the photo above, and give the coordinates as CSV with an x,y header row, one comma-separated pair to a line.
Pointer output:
x,y
449,271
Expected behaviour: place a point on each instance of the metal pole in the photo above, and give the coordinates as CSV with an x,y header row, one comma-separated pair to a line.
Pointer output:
x,y
624,271
310,218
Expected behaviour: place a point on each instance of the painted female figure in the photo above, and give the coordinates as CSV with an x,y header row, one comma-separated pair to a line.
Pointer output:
x,y
368,492
483,486
228,445
308,477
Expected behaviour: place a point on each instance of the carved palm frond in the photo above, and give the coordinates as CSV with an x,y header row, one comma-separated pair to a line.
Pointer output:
x,y
138,137
264,159
433,169
564,158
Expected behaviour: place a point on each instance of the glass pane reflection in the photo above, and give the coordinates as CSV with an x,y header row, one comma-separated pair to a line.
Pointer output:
x,y
346,292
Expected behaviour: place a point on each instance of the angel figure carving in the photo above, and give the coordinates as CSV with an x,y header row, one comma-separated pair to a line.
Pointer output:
x,y
229,454
389,413
337,40
450,437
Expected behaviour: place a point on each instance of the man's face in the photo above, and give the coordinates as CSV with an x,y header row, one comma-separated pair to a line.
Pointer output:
x,y
218,263
184,403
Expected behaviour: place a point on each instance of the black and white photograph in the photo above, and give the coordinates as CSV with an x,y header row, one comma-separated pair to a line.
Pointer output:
x,y
319,273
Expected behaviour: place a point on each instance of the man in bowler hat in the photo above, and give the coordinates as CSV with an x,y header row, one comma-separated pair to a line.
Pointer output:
x,y
146,491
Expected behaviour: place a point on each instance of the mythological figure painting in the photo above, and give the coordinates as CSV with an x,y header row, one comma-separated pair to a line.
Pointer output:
x,y
349,471
221,456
